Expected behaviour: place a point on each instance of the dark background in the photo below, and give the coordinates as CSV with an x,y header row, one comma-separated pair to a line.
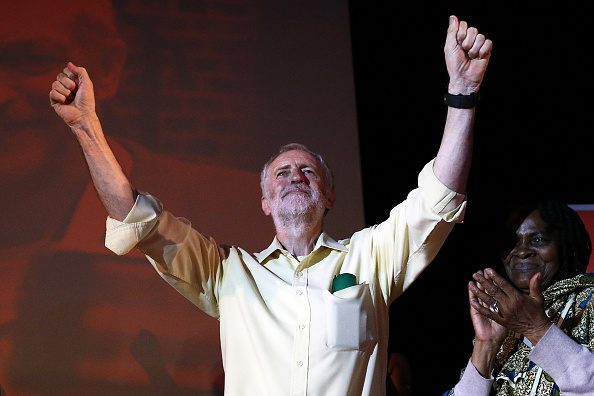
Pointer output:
x,y
532,139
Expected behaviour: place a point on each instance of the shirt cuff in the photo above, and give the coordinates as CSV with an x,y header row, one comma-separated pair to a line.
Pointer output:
x,y
122,236
448,204
472,382
556,353
146,208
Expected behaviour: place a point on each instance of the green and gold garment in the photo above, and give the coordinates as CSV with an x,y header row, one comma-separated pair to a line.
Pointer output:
x,y
569,304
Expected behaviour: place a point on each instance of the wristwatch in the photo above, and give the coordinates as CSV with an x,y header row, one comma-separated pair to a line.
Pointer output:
x,y
461,101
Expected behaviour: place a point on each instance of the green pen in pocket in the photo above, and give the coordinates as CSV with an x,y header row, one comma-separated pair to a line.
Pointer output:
x,y
342,281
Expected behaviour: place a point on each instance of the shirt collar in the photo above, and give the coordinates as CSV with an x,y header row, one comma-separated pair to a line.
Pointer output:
x,y
327,241
323,240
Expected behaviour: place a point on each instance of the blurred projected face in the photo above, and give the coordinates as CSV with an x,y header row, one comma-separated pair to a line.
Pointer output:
x,y
36,41
31,50
40,166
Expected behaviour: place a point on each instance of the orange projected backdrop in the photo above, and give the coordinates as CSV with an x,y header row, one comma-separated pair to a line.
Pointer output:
x,y
194,97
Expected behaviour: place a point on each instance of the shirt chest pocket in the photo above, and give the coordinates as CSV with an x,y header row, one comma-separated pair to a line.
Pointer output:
x,y
350,319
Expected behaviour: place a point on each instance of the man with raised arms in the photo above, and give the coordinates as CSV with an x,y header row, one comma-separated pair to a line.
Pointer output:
x,y
287,324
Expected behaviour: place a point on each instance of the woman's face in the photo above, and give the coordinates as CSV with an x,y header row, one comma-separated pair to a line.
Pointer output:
x,y
536,250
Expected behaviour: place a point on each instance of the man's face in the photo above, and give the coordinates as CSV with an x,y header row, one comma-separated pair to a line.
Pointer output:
x,y
295,187
536,250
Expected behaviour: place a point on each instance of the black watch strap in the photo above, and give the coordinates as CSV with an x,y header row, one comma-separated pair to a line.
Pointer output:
x,y
461,101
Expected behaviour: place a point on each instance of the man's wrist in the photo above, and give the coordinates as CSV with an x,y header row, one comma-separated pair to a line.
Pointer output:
x,y
84,122
462,87
88,130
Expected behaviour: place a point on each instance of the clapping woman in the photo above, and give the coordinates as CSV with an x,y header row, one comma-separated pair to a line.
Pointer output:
x,y
534,324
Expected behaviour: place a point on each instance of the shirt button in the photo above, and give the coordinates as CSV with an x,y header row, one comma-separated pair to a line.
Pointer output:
x,y
300,363
301,326
299,274
299,292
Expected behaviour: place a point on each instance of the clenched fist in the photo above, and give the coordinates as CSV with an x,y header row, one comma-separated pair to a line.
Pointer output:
x,y
467,54
72,95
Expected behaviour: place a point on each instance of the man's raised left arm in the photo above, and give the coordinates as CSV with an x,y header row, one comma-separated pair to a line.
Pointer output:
x,y
467,54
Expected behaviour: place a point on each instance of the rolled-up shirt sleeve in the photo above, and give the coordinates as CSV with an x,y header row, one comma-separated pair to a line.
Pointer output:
x,y
184,258
402,246
446,203
123,236
431,212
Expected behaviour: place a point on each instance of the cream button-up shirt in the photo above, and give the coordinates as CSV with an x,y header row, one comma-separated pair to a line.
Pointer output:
x,y
282,330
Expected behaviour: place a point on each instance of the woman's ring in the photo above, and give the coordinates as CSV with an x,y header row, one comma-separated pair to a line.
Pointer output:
x,y
494,308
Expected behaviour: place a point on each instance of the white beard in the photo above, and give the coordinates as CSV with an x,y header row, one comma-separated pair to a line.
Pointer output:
x,y
297,208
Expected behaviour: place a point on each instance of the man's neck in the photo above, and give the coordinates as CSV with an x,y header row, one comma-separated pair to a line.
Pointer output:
x,y
299,239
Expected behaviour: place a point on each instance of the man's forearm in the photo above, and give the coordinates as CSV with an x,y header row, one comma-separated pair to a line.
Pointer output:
x,y
454,157
111,183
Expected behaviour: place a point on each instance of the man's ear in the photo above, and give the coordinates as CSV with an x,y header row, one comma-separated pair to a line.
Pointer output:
x,y
265,206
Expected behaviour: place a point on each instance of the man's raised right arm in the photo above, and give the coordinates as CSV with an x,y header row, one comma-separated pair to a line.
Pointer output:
x,y
73,99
